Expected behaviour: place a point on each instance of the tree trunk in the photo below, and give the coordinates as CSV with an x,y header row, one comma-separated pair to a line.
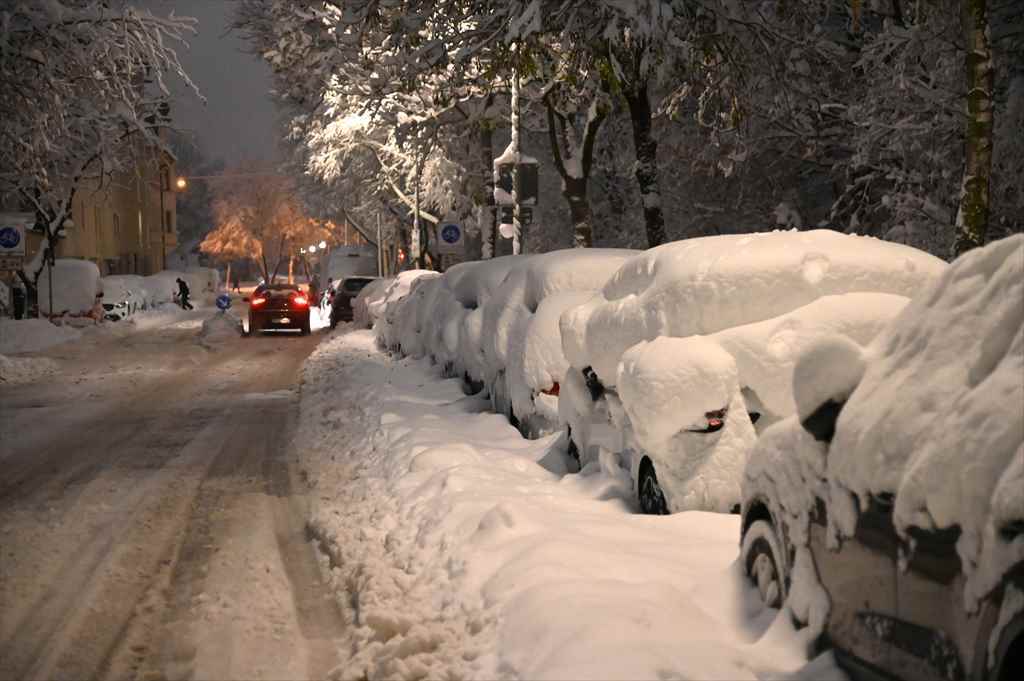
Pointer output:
x,y
646,147
227,277
575,191
972,216
487,215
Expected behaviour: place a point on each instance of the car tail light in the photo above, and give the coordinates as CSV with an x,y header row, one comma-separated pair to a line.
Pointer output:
x,y
300,301
553,390
256,302
715,419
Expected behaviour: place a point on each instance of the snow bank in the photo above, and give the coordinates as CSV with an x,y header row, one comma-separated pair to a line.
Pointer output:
x,y
943,392
15,370
704,285
75,285
222,327
32,335
461,550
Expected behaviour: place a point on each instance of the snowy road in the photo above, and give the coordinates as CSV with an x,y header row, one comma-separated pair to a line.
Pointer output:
x,y
150,523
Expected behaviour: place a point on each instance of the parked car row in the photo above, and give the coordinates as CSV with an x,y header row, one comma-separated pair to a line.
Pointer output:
x,y
860,402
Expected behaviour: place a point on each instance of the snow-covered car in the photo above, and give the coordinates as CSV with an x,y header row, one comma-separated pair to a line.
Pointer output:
x,y
123,296
523,362
368,305
678,411
888,512
386,328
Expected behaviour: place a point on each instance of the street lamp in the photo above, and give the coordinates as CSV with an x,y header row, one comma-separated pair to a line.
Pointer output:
x,y
323,245
312,249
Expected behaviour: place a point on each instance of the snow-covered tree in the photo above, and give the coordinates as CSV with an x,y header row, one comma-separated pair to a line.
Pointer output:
x,y
84,89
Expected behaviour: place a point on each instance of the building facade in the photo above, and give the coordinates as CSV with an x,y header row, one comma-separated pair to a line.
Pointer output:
x,y
127,226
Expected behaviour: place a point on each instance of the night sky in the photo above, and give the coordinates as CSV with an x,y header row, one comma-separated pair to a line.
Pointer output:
x,y
237,120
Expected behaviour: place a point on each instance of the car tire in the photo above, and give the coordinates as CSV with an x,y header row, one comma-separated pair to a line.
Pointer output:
x,y
255,328
652,499
762,561
306,328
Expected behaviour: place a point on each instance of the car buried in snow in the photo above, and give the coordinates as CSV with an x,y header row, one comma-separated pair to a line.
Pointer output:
x,y
676,364
277,307
888,513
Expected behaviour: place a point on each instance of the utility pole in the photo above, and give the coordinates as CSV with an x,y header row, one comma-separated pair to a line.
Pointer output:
x,y
380,250
517,224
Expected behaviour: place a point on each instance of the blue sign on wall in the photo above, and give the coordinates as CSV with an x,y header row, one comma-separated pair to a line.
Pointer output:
x,y
451,233
223,302
9,237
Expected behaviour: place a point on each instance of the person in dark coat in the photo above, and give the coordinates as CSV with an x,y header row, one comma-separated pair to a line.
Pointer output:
x,y
183,294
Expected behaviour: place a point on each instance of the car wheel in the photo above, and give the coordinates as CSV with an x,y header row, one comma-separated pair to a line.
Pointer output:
x,y
652,499
761,561
305,328
254,327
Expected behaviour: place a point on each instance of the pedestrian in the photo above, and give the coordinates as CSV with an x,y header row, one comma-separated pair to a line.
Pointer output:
x,y
236,281
314,289
183,294
328,298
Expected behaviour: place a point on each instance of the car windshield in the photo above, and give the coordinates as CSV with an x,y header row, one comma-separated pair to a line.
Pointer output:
x,y
355,285
282,287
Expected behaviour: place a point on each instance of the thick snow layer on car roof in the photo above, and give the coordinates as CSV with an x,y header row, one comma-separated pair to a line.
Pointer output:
x,y
473,282
765,352
937,417
577,269
704,285
75,285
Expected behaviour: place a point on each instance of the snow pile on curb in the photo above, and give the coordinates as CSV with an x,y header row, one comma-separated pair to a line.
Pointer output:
x,y
222,327
461,550
32,335
25,369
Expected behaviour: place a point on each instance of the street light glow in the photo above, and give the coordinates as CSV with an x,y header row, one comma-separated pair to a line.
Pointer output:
x,y
322,245
312,249
181,183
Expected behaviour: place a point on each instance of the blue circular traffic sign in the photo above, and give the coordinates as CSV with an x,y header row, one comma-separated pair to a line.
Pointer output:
x,y
223,301
9,237
451,233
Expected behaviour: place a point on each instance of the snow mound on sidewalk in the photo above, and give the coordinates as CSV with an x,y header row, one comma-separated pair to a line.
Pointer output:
x,y
220,328
25,369
937,417
461,550
32,335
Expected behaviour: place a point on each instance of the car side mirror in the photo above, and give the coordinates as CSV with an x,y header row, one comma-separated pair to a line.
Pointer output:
x,y
824,377
821,423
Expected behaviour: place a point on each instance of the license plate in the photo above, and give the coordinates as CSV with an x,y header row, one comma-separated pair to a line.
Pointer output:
x,y
284,320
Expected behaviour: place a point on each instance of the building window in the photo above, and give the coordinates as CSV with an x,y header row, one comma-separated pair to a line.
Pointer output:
x,y
165,179
168,221
97,220
117,225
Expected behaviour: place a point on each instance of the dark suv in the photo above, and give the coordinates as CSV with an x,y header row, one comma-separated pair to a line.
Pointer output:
x,y
345,292
888,515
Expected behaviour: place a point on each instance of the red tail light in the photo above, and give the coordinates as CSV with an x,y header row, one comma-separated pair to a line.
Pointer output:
x,y
256,302
553,390
300,301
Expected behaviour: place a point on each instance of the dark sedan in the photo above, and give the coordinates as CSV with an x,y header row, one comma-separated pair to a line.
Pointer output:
x,y
345,292
279,306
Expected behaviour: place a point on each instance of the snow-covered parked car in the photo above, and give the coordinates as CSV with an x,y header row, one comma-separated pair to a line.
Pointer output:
x,y
678,410
888,512
388,329
523,362
123,296
368,305
76,284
